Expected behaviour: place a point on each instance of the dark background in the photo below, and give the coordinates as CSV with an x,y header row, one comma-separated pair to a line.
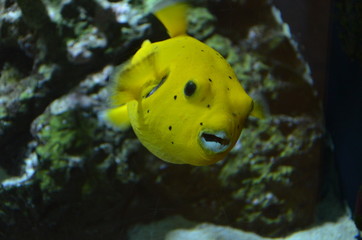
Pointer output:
x,y
330,36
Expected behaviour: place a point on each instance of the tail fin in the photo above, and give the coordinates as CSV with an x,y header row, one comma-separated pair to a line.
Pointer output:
x,y
173,17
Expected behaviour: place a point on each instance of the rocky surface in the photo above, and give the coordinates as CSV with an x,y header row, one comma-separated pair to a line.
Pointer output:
x,y
343,229
66,173
177,228
333,222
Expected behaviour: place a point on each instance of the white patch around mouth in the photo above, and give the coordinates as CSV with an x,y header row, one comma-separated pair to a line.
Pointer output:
x,y
215,142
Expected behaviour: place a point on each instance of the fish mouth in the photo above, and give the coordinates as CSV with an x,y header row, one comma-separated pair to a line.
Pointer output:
x,y
214,142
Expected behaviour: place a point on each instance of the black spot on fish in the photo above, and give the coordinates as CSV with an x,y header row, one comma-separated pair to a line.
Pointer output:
x,y
172,142
148,111
228,89
202,50
230,77
208,106
170,128
190,88
234,114
175,97
210,80
201,123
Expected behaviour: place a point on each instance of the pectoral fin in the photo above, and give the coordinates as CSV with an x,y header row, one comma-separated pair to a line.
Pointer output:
x,y
118,117
258,110
129,79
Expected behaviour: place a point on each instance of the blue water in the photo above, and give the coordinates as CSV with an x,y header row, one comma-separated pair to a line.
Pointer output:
x,y
344,114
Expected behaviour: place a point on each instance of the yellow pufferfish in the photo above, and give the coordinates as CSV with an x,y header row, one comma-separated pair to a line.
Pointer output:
x,y
180,96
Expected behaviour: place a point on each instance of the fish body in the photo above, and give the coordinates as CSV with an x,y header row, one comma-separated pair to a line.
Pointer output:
x,y
181,97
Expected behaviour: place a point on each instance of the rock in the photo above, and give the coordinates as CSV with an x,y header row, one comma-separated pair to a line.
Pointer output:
x,y
178,228
159,229
212,232
77,176
343,229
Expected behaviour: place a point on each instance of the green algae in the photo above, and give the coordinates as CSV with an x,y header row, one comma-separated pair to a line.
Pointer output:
x,y
26,94
10,74
3,112
220,44
69,132
200,23
65,140
262,174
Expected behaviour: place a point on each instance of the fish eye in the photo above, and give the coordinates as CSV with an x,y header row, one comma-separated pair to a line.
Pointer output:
x,y
190,88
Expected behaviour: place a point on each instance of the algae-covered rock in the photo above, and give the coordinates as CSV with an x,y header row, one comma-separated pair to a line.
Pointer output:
x,y
73,176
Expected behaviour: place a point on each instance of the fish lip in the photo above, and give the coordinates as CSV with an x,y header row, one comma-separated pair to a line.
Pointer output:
x,y
214,142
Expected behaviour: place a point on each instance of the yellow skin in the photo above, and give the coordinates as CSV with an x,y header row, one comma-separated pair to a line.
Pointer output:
x,y
182,99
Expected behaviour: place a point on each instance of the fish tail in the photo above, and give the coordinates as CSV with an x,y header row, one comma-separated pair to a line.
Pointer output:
x,y
173,17
117,116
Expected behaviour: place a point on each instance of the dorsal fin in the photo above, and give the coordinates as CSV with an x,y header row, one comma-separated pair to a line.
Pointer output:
x,y
172,14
